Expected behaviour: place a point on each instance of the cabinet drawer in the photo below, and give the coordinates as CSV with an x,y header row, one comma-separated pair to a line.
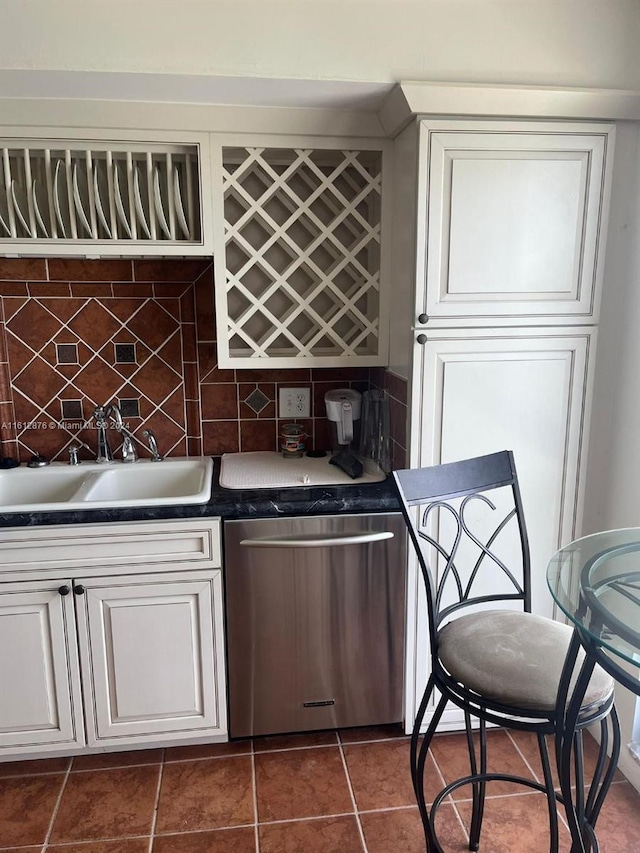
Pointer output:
x,y
136,546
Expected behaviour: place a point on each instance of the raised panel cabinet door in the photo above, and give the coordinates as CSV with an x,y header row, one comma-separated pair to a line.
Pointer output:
x,y
525,390
152,657
513,220
39,680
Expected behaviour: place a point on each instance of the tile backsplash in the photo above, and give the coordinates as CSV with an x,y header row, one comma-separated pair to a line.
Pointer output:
x,y
79,333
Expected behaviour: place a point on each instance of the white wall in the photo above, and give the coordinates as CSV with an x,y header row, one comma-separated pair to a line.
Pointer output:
x,y
590,43
613,473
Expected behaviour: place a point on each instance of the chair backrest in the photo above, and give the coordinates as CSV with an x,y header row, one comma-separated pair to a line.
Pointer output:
x,y
472,549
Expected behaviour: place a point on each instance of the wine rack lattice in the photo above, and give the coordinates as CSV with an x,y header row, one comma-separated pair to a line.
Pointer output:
x,y
302,251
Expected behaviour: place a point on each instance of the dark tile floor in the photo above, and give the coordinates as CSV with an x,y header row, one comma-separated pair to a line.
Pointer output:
x,y
346,792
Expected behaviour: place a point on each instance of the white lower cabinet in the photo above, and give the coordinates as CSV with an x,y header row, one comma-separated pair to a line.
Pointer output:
x,y
525,390
148,654
479,391
40,702
108,661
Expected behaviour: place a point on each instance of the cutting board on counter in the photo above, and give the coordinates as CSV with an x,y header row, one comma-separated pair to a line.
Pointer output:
x,y
265,469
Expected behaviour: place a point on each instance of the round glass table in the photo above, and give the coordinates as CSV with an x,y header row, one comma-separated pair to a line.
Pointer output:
x,y
596,583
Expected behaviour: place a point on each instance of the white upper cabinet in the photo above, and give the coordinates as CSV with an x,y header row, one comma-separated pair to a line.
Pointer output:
x,y
300,257
105,195
512,221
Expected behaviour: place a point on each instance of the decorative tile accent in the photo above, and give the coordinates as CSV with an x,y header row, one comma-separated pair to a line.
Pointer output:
x,y
125,353
129,408
71,410
67,353
257,401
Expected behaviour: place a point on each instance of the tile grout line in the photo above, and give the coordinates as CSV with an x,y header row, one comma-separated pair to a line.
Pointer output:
x,y
154,816
254,788
117,767
450,798
352,795
560,811
303,819
523,756
56,808
177,833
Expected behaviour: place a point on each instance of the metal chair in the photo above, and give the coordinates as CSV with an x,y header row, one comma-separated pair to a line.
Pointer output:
x,y
501,665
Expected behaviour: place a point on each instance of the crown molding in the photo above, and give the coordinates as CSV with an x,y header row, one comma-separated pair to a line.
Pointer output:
x,y
413,98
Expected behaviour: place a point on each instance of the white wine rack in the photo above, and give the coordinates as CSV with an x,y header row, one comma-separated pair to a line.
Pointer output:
x,y
298,266
98,193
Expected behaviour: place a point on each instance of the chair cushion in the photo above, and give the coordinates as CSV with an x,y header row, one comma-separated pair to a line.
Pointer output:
x,y
514,657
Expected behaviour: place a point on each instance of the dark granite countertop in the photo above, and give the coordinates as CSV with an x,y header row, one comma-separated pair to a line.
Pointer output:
x,y
232,503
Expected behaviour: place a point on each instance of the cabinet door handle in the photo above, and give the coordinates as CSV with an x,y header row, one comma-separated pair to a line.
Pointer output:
x,y
79,589
422,339
64,590
423,318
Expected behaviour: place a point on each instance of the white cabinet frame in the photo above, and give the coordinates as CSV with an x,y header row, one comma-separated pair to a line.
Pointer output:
x,y
289,293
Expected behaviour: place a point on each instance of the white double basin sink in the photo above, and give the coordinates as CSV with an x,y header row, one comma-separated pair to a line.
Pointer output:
x,y
91,485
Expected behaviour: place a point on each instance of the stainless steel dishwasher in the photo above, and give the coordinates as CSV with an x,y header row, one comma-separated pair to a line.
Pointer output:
x,y
315,622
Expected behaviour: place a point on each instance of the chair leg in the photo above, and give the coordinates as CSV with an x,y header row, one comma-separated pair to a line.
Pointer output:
x,y
418,759
578,775
415,734
478,788
552,806
600,783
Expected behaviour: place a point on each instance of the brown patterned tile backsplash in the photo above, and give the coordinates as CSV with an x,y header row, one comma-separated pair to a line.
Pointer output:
x,y
88,332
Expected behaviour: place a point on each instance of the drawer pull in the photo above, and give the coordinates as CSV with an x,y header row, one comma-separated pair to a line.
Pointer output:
x,y
64,590
79,589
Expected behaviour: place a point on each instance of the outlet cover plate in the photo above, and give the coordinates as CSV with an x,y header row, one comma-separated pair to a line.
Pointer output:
x,y
294,402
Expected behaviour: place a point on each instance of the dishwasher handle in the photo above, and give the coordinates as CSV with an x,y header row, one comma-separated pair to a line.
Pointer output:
x,y
316,541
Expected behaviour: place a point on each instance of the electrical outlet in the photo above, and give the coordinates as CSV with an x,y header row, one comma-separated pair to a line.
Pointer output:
x,y
294,402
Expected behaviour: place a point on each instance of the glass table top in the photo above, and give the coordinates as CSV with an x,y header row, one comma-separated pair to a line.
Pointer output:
x,y
596,583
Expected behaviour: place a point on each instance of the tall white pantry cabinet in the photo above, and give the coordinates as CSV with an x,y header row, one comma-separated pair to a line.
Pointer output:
x,y
499,234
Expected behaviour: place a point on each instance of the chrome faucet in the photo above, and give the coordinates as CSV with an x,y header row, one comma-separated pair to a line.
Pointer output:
x,y
153,444
100,415
129,453
74,449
